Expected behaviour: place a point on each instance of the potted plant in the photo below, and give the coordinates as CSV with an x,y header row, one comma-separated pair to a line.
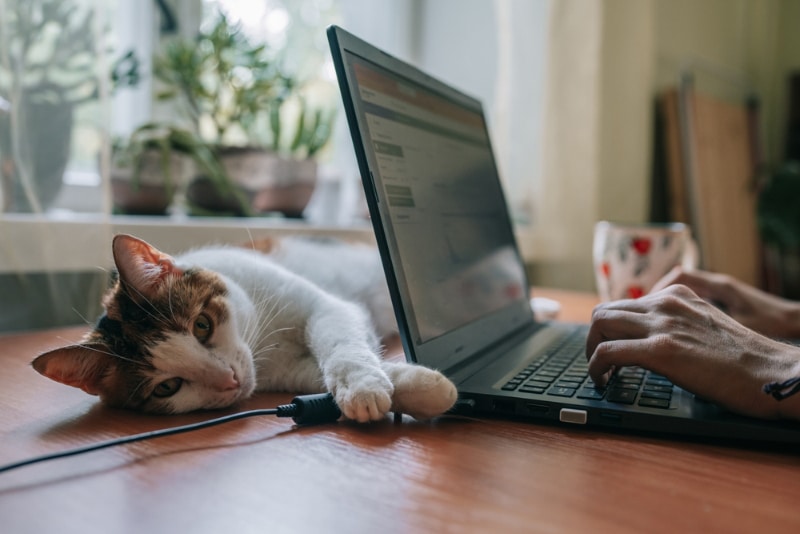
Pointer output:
x,y
256,118
47,70
155,163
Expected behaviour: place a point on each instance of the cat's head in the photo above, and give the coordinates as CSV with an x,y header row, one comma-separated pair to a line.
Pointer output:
x,y
167,343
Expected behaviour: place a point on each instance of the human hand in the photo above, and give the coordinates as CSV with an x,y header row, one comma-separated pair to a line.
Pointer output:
x,y
765,313
675,333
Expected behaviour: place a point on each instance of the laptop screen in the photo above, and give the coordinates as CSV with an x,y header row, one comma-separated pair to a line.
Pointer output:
x,y
438,196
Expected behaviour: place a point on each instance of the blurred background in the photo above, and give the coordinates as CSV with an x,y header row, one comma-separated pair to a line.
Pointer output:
x,y
194,121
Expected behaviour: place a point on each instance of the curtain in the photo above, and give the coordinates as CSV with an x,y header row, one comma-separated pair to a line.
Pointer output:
x,y
595,140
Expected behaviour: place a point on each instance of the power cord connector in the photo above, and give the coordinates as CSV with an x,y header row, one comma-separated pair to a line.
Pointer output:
x,y
304,409
311,409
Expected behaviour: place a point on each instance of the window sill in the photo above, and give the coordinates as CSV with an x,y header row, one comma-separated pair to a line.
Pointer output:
x,y
54,243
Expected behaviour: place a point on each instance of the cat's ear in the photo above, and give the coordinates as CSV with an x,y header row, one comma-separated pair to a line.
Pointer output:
x,y
141,266
80,366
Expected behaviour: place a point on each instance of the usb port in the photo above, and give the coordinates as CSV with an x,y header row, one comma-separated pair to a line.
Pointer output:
x,y
538,409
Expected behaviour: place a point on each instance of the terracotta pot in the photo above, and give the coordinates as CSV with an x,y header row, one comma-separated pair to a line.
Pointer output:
x,y
265,181
152,191
140,199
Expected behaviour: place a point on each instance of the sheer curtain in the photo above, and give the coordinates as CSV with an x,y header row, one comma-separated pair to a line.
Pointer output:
x,y
523,34
338,198
596,133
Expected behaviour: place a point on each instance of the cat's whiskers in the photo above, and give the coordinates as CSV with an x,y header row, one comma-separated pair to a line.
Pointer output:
x,y
259,354
278,330
267,308
169,302
254,334
251,329
249,324
157,316
112,354
135,390
83,318
252,240
261,337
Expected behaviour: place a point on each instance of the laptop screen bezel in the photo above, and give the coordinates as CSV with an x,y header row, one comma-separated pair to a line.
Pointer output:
x,y
453,347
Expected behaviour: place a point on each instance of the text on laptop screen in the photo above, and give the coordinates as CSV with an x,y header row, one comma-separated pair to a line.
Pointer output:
x,y
448,215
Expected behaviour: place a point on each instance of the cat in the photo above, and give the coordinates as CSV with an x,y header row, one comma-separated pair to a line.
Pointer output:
x,y
208,328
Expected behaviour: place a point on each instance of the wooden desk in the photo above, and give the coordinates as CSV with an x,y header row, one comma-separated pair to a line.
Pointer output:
x,y
452,475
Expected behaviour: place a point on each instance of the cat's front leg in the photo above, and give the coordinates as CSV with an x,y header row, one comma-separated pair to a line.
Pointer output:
x,y
340,336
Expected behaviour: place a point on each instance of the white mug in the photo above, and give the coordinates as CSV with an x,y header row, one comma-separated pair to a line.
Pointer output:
x,y
630,258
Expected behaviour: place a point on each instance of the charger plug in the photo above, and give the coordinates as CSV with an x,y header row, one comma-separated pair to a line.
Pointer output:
x,y
311,409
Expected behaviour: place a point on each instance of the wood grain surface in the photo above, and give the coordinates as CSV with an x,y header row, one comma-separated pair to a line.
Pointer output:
x,y
454,474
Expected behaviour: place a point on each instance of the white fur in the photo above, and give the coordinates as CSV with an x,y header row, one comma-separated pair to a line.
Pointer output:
x,y
288,333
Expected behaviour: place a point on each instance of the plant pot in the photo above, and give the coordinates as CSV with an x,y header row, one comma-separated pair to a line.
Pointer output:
x,y
264,182
151,189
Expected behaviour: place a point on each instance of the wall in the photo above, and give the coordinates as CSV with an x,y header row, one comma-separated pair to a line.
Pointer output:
x,y
731,46
738,46
734,46
787,60
597,132
625,111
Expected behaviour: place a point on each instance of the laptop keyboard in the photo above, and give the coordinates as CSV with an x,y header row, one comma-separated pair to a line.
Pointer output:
x,y
564,372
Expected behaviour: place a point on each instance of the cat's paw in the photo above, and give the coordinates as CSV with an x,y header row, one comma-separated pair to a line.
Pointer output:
x,y
420,392
364,396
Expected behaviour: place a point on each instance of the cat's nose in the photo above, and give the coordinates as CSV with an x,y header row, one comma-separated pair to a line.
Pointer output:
x,y
228,383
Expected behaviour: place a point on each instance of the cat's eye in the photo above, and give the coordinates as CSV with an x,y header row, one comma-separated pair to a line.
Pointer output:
x,y
168,388
201,329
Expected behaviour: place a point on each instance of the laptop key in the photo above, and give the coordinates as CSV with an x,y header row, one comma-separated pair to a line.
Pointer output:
x,y
553,374
630,380
577,376
546,379
561,391
622,396
654,403
662,389
656,395
658,382
591,393
531,389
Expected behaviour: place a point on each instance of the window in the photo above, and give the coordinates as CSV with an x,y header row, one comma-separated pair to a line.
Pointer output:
x,y
486,48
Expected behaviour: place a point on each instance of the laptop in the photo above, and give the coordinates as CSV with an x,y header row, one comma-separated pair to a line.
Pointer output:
x,y
456,277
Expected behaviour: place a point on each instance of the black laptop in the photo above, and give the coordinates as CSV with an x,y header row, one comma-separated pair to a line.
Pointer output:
x,y
457,279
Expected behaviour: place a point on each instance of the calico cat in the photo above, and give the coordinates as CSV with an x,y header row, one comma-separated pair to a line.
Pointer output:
x,y
207,328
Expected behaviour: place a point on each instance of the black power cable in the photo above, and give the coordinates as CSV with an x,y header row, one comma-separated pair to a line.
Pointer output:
x,y
304,409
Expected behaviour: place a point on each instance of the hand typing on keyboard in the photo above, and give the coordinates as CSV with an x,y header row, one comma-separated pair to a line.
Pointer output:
x,y
676,333
563,372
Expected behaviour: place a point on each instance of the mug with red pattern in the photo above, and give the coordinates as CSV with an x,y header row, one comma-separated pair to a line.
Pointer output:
x,y
630,258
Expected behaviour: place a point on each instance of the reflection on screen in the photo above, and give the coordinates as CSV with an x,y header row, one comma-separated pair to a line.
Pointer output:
x,y
448,216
